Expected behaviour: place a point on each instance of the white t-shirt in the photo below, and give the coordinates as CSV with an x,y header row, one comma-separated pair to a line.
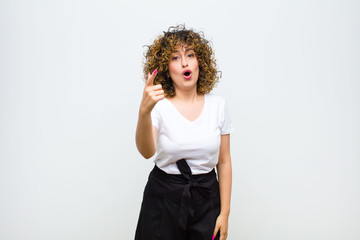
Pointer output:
x,y
197,141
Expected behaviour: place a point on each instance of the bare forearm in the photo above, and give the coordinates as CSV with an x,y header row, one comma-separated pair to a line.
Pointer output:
x,y
225,180
144,135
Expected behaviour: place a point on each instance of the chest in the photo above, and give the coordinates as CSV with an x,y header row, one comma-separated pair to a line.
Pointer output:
x,y
177,126
177,133
189,111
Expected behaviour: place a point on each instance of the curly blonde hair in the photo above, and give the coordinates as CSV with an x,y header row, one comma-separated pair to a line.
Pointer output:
x,y
158,55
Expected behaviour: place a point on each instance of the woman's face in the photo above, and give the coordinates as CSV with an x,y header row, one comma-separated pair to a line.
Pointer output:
x,y
184,68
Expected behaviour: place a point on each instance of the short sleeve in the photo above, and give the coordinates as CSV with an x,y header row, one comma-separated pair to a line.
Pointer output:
x,y
155,117
226,126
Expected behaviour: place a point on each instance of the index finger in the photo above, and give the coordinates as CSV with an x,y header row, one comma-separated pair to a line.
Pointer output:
x,y
151,77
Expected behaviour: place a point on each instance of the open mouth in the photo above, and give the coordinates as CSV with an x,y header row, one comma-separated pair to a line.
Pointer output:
x,y
187,74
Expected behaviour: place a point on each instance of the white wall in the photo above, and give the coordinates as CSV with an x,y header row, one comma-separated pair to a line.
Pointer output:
x,y
70,86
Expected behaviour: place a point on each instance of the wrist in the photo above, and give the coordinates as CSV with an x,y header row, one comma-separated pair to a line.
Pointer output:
x,y
225,213
144,111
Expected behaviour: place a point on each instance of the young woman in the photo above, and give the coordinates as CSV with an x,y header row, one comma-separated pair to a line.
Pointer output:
x,y
188,129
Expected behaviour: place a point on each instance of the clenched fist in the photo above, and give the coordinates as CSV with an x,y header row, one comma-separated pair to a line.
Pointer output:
x,y
152,94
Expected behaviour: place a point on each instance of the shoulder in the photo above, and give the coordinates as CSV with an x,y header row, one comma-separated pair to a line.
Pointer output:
x,y
215,99
161,106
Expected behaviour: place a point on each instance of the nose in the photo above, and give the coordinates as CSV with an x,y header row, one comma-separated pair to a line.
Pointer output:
x,y
184,62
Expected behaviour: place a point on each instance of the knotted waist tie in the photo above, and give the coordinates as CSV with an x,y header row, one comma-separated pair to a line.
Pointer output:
x,y
201,183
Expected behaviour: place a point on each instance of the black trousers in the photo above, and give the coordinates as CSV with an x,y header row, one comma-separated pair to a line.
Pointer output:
x,y
179,207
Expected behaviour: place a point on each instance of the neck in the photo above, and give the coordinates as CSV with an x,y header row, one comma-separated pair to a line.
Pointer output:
x,y
186,96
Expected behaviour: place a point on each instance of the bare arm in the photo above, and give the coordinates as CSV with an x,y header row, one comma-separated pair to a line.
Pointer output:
x,y
146,133
225,180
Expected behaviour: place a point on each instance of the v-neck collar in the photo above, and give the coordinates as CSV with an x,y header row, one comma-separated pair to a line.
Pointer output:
x,y
182,116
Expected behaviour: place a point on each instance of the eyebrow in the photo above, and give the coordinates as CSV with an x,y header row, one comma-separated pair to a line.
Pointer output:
x,y
186,50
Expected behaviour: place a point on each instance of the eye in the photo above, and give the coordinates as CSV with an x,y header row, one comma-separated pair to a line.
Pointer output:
x,y
191,55
175,58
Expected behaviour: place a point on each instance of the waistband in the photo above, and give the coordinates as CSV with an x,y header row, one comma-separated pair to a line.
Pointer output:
x,y
180,178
